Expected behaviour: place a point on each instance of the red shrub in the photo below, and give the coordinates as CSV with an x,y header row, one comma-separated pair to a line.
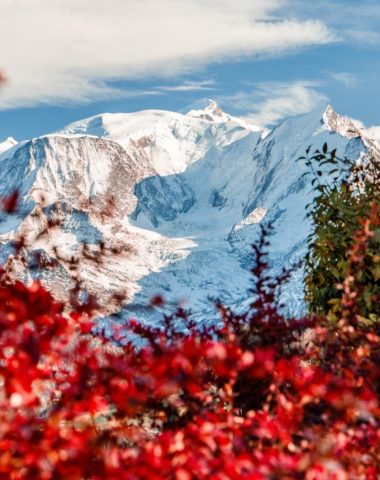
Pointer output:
x,y
252,399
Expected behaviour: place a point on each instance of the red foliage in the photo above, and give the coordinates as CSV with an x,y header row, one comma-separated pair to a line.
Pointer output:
x,y
252,399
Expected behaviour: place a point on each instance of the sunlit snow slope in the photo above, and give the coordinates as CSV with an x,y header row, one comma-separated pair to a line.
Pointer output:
x,y
188,191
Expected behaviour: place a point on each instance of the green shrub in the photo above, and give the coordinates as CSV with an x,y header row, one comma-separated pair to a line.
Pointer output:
x,y
346,193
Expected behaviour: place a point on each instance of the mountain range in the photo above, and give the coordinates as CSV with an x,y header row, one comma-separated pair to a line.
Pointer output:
x,y
171,201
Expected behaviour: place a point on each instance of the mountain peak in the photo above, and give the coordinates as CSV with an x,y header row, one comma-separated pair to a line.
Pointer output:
x,y
345,126
214,109
207,109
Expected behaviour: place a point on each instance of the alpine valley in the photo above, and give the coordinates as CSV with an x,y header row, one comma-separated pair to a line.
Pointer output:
x,y
173,200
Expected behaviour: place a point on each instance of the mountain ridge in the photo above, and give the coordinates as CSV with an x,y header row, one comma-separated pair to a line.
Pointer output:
x,y
188,193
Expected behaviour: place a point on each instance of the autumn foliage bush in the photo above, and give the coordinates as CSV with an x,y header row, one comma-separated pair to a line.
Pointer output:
x,y
258,397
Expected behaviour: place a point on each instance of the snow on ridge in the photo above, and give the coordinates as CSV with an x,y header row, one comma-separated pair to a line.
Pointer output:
x,y
170,140
124,127
7,144
121,126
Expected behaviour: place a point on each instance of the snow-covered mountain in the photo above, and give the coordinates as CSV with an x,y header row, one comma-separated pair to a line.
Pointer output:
x,y
178,196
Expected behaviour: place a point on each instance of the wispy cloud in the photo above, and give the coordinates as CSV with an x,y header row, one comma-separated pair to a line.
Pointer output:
x,y
348,79
189,86
56,51
369,37
268,103
356,21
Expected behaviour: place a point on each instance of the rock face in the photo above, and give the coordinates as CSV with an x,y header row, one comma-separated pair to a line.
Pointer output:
x,y
178,196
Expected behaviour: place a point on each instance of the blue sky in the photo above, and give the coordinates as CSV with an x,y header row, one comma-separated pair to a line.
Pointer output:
x,y
261,60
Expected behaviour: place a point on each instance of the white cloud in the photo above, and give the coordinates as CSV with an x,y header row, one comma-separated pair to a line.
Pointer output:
x,y
369,37
188,86
348,79
70,50
270,102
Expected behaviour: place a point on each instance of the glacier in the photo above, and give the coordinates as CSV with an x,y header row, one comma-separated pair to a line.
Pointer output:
x,y
188,189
